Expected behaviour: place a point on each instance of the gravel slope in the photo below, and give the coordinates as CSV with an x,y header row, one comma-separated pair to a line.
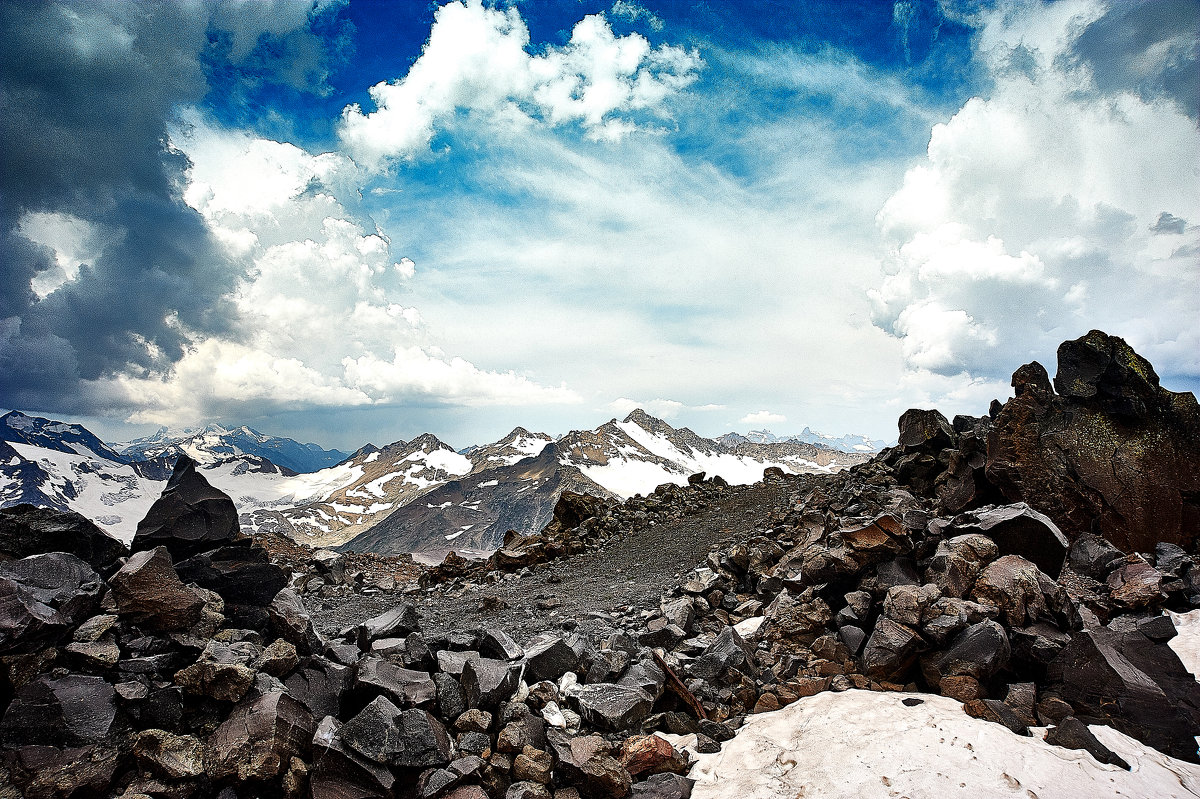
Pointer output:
x,y
592,589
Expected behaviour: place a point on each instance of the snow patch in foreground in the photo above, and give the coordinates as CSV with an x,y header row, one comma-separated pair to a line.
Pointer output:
x,y
866,744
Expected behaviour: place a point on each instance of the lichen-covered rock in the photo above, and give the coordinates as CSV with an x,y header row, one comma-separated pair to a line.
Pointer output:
x,y
1112,453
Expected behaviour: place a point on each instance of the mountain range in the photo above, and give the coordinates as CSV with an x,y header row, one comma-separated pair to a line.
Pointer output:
x,y
410,496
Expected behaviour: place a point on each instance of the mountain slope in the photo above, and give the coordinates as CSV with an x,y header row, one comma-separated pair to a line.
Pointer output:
x,y
636,455
850,443
333,505
474,511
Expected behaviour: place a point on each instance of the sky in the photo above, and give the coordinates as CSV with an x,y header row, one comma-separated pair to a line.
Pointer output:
x,y
358,221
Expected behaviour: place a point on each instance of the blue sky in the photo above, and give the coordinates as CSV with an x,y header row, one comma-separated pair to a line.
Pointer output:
x,y
352,221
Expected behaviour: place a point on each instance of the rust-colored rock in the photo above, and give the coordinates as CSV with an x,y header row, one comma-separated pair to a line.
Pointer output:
x,y
1112,452
149,593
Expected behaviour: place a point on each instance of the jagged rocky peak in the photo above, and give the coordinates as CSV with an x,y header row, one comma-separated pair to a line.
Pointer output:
x,y
190,515
1104,448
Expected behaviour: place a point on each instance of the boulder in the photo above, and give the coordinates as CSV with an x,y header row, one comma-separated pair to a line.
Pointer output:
x,y
890,651
149,593
1112,453
644,755
585,762
174,757
384,734
396,622
42,597
70,711
339,772
548,657
663,786
259,739
487,682
241,575
1011,584
189,517
375,676
1019,530
1136,584
1131,683
28,530
611,706
925,429
319,685
1092,556
979,651
956,563
1071,733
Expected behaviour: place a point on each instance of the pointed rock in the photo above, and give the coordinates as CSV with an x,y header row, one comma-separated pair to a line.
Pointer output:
x,y
189,517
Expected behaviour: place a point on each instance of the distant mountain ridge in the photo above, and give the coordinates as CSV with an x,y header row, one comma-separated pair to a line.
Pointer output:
x,y
417,495
213,443
847,443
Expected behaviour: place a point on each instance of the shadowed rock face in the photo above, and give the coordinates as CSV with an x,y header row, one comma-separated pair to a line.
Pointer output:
x,y
190,517
1112,452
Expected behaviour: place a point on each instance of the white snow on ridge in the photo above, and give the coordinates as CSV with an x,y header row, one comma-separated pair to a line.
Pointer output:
x,y
111,494
869,745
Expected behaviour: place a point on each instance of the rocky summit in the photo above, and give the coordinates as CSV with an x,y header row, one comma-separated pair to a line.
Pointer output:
x,y
1027,566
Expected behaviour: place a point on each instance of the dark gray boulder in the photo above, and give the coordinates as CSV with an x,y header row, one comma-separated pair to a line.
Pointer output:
x,y
28,530
189,517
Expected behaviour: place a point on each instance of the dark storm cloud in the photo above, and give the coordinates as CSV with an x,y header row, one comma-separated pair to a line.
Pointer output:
x,y
86,93
1148,48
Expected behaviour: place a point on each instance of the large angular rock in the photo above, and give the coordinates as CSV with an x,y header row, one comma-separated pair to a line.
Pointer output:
x,y
1071,733
925,429
1011,584
339,772
612,707
173,756
242,575
1131,683
189,517
259,739
1113,453
980,652
384,734
28,530
149,593
48,771
70,711
891,651
586,764
487,682
394,623
42,597
727,650
319,685
957,562
1019,530
548,657
291,622
378,677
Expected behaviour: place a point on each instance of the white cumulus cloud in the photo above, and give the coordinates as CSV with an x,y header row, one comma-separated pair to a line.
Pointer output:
x,y
763,417
320,321
1035,214
476,61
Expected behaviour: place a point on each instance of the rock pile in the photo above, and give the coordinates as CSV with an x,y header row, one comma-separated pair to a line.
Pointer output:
x,y
986,559
185,668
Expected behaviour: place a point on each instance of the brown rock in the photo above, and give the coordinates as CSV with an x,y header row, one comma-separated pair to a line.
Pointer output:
x,y
1011,584
149,593
961,687
173,756
1113,453
533,765
1136,584
643,755
259,739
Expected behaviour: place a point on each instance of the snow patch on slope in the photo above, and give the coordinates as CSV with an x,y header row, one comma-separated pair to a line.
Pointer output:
x,y
869,745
